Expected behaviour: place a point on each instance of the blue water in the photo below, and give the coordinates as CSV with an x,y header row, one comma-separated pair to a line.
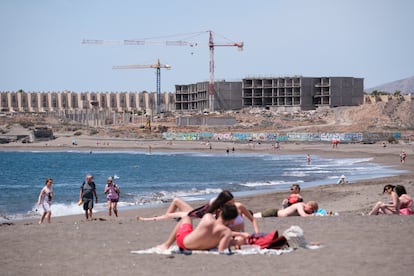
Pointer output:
x,y
147,179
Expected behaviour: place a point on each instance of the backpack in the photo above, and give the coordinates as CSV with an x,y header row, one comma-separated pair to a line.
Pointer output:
x,y
270,240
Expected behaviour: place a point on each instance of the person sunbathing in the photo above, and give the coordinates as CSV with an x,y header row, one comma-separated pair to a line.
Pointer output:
x,y
210,233
298,209
391,208
294,197
225,197
406,202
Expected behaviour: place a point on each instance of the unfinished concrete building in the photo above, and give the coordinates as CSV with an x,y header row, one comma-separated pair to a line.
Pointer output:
x,y
69,101
194,97
302,93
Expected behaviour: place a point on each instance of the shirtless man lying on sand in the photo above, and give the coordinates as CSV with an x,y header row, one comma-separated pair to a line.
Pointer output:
x,y
297,209
209,233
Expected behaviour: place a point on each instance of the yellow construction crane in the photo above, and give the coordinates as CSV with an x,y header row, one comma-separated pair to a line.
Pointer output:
x,y
158,67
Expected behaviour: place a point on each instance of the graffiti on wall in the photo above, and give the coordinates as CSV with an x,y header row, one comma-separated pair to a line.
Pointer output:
x,y
350,137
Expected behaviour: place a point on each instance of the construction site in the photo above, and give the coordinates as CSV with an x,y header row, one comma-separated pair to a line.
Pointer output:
x,y
274,104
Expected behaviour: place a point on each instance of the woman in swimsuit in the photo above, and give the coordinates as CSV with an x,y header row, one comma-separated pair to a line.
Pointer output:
x,y
45,198
214,207
294,197
225,197
405,199
177,209
391,208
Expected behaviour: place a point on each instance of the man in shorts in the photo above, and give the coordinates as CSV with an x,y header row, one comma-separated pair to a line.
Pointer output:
x,y
297,209
210,233
86,194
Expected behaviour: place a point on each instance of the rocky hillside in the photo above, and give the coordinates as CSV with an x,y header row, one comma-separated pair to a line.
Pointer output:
x,y
392,116
405,86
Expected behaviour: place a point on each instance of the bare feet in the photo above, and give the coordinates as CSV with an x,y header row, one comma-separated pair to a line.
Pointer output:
x,y
162,246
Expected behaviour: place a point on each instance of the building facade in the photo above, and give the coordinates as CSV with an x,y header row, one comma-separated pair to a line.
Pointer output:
x,y
302,93
71,101
194,97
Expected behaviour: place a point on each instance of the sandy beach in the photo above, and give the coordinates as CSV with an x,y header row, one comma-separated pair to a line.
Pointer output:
x,y
353,243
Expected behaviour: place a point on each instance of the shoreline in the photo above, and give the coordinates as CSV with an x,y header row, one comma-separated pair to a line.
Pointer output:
x,y
353,243
324,150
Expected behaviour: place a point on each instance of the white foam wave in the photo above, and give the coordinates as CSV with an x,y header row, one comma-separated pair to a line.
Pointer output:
x,y
295,173
267,183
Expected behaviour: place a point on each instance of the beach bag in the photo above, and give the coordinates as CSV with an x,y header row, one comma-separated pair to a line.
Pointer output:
x,y
271,240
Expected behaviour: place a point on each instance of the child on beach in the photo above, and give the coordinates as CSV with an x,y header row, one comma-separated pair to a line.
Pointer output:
x,y
112,195
45,198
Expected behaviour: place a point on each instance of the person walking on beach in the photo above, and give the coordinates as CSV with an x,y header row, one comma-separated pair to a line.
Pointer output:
x,y
86,194
112,195
391,208
403,156
45,198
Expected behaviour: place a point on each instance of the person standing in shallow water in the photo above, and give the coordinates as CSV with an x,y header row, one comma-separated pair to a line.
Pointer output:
x,y
86,194
45,198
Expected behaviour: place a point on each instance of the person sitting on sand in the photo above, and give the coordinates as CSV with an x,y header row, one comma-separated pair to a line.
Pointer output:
x,y
391,208
294,197
341,180
225,197
298,209
210,233
406,202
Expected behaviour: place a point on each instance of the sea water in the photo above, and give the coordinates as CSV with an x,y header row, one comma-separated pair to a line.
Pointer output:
x,y
148,179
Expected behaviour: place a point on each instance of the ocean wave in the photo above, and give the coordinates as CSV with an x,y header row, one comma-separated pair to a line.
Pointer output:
x,y
266,183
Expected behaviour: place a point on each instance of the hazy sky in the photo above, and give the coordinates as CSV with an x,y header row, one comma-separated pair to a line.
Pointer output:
x,y
41,49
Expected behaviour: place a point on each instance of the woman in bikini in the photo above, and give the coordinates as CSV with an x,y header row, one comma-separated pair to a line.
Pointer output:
x,y
391,208
225,197
214,207
405,199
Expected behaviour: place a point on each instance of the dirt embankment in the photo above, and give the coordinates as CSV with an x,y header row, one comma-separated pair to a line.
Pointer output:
x,y
392,116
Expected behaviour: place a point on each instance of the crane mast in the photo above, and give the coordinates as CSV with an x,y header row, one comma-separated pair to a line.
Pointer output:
x,y
211,88
158,67
211,44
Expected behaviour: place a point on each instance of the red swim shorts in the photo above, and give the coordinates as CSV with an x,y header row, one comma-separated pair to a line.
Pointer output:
x,y
182,232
